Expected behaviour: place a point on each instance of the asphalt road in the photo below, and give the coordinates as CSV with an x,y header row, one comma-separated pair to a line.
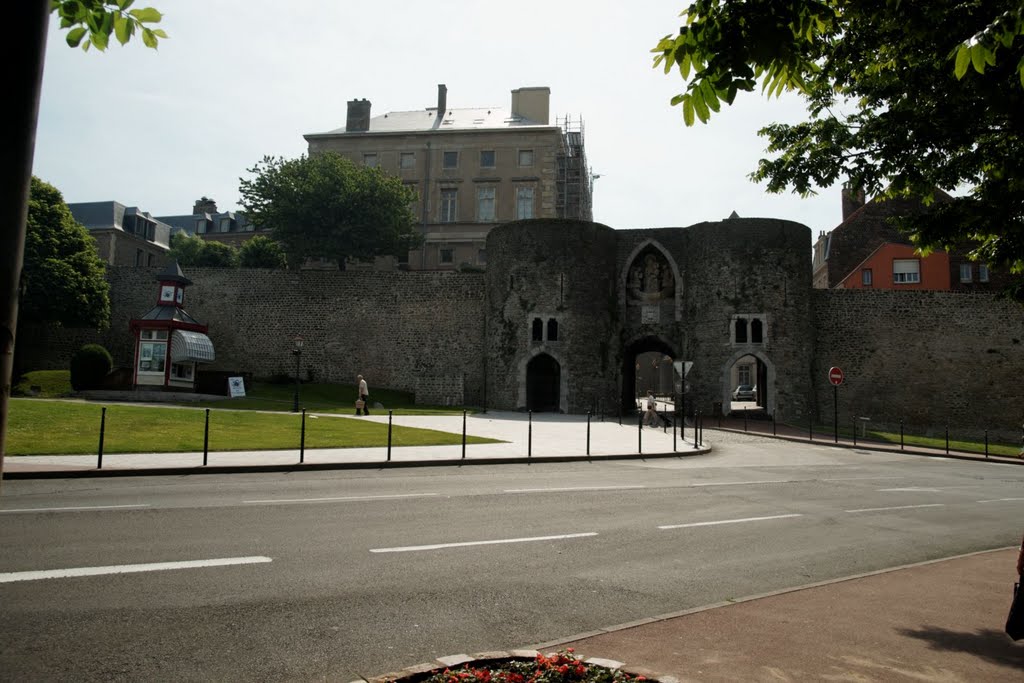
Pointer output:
x,y
333,575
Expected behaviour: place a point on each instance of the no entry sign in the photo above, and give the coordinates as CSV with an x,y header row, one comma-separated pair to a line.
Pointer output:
x,y
835,376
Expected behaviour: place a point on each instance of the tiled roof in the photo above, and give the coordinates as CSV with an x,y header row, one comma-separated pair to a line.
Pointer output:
x,y
487,118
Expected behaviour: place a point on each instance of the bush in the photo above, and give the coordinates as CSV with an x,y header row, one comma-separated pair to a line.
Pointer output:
x,y
89,366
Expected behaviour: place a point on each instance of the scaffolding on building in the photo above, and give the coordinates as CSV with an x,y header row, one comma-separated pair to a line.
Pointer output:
x,y
574,185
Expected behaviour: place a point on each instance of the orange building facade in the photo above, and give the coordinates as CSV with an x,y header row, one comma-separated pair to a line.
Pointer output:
x,y
898,266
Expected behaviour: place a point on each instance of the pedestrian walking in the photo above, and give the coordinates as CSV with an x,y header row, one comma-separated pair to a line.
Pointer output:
x,y
364,397
651,416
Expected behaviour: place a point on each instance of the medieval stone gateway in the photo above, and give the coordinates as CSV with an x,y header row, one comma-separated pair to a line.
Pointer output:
x,y
571,315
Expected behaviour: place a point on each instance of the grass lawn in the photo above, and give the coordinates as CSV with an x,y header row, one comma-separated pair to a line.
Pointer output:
x,y
958,445
71,427
51,383
326,398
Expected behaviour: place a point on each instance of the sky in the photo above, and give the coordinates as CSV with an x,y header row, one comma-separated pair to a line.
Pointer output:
x,y
238,80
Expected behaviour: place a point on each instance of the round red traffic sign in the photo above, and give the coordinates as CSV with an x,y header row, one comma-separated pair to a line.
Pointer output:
x,y
835,376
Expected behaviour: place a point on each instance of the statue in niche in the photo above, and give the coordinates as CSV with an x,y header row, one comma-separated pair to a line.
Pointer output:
x,y
650,279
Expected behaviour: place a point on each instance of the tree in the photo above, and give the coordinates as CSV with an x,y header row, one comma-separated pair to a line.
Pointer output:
x,y
63,278
904,98
326,206
261,252
192,250
97,19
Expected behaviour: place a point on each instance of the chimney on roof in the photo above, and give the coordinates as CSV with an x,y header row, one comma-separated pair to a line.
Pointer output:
x,y
358,120
204,205
852,200
442,100
532,104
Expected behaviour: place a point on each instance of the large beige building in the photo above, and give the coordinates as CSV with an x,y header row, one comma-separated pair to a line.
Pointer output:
x,y
472,168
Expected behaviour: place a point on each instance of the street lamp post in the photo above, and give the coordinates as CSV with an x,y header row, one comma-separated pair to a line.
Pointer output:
x,y
297,352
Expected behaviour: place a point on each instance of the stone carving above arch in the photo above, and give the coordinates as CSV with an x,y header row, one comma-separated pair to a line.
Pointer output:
x,y
652,278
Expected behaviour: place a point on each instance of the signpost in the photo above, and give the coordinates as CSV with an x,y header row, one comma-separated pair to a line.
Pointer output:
x,y
835,377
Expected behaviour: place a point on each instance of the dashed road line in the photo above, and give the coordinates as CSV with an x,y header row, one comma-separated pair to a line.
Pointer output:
x,y
727,521
997,500
10,577
575,488
898,507
76,509
344,499
466,544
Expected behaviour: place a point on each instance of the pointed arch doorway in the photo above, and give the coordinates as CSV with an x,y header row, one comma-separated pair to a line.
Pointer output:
x,y
648,366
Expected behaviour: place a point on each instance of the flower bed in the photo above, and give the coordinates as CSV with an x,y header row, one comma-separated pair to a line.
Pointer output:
x,y
557,667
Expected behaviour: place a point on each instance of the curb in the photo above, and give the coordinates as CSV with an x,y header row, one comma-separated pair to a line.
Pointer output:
x,y
315,467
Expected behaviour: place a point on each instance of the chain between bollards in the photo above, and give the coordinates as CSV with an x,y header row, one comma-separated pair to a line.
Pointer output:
x,y
103,427
389,434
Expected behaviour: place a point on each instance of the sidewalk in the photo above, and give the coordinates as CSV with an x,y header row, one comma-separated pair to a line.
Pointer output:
x,y
940,621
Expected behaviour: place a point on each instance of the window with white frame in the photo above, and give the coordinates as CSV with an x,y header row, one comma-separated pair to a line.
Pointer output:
x,y
906,271
966,274
487,158
526,157
485,204
524,203
982,272
865,277
152,354
449,205
225,224
407,160
743,374
450,160
201,226
370,159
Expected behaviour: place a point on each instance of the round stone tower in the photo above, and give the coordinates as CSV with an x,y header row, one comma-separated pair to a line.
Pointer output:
x,y
553,317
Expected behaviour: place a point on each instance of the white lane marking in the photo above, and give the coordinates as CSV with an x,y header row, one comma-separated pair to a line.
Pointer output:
x,y
898,507
575,488
744,483
438,546
341,500
75,509
859,478
727,521
997,500
912,489
128,568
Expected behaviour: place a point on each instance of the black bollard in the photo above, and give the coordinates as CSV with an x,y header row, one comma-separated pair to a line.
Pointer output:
x,y
103,427
588,433
529,436
302,438
463,434
206,437
389,435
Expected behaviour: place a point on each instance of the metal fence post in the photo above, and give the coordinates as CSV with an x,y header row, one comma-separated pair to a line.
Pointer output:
x,y
302,439
206,438
810,427
986,444
744,419
389,434
901,433
674,446
588,432
463,434
640,433
529,436
103,427
774,432
947,438
854,430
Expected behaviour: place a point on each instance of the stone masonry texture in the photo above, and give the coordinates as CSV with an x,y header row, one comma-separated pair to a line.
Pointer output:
x,y
926,358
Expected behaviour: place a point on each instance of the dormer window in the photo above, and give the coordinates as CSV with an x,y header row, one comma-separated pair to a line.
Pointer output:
x,y
225,224
201,226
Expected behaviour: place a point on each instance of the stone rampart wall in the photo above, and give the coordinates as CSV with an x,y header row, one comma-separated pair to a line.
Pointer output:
x,y
923,357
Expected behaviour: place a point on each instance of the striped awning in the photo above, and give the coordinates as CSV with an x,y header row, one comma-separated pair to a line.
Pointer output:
x,y
191,346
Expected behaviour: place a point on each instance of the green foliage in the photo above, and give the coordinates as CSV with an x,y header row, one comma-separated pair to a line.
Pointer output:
x,y
89,366
63,280
91,22
327,206
261,252
903,98
192,250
